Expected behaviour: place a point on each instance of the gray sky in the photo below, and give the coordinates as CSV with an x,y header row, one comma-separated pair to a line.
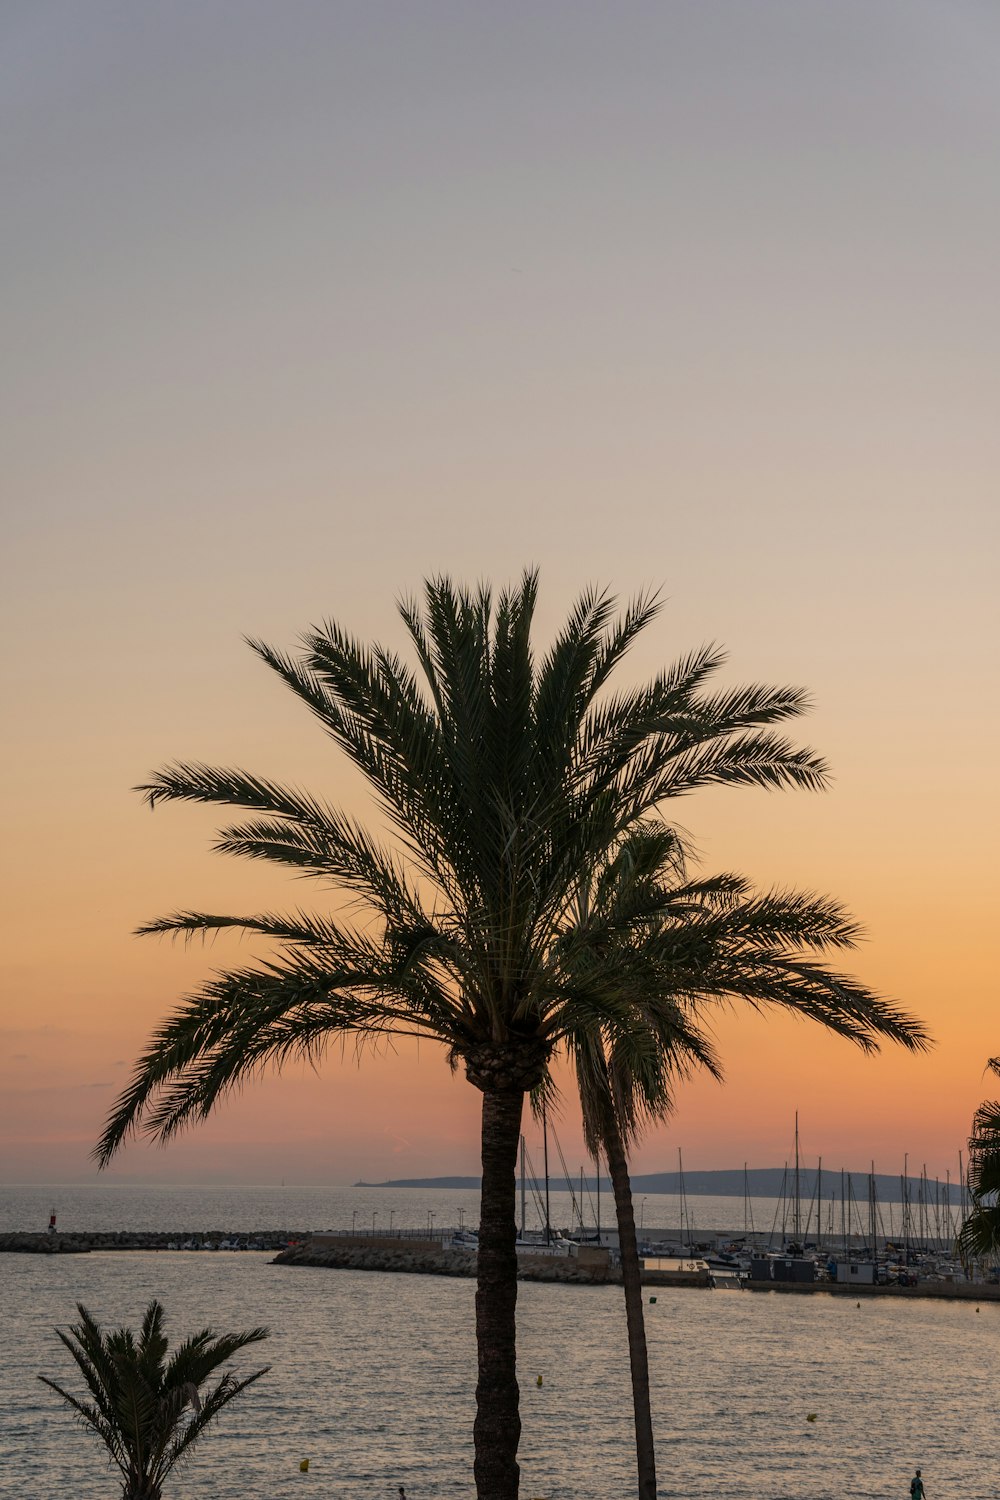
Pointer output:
x,y
304,301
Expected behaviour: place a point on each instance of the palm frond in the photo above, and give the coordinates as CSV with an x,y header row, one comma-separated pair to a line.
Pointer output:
x,y
247,1018
227,1390
979,1237
140,1399
93,1419
201,1353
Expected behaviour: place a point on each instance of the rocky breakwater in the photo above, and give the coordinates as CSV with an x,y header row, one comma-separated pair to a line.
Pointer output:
x,y
80,1242
431,1257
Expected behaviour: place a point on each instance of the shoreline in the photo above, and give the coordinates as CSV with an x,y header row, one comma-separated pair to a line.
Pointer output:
x,y
83,1241
430,1258
419,1255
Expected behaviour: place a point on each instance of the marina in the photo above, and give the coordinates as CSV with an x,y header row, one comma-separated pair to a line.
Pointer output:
x,y
722,1263
823,1232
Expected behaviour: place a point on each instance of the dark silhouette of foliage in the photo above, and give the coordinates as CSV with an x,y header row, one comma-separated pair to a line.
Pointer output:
x,y
681,947
979,1238
146,1405
506,779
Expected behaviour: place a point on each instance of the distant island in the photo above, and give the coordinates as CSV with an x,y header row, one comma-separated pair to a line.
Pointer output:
x,y
762,1182
426,1182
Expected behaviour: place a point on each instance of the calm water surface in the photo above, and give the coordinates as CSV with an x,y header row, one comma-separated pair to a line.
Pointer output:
x,y
374,1374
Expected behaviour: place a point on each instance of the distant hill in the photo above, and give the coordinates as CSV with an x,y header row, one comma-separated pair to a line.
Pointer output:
x,y
771,1182
426,1182
763,1182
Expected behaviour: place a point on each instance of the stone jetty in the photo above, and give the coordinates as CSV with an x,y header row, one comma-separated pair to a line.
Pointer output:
x,y
80,1242
421,1256
428,1257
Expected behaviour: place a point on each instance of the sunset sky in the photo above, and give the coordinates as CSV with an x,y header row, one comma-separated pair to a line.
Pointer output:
x,y
303,302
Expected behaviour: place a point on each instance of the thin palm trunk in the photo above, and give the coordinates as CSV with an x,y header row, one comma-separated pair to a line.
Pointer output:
x,y
632,1284
497,1430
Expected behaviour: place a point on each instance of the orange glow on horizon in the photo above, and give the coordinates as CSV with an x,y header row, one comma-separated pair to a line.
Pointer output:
x,y
305,309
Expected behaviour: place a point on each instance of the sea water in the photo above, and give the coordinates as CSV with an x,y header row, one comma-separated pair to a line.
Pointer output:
x,y
109,1205
373,1381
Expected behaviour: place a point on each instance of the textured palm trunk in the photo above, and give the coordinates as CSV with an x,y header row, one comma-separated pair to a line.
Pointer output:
x,y
498,1424
632,1283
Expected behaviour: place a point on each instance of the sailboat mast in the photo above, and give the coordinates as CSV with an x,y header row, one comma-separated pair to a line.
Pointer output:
x,y
597,1164
798,1201
545,1155
523,1189
819,1203
683,1200
843,1211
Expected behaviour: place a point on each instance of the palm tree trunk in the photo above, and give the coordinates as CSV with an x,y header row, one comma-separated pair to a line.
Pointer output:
x,y
497,1428
632,1284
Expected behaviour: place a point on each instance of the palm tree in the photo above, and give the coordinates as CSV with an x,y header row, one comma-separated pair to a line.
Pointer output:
x,y
682,944
147,1409
504,780
980,1233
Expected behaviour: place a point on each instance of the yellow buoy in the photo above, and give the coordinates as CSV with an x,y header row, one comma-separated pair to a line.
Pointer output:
x,y
811,1416
304,1466
539,1380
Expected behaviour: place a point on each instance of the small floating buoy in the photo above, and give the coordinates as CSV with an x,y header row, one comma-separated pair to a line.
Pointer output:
x,y
304,1466
859,1304
977,1309
538,1380
652,1299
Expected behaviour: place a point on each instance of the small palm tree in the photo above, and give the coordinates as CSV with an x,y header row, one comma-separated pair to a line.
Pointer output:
x,y
505,778
979,1237
147,1409
680,946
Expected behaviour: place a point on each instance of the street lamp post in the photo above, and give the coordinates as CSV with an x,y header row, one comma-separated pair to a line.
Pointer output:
x,y
354,1221
642,1212
391,1212
461,1218
374,1217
